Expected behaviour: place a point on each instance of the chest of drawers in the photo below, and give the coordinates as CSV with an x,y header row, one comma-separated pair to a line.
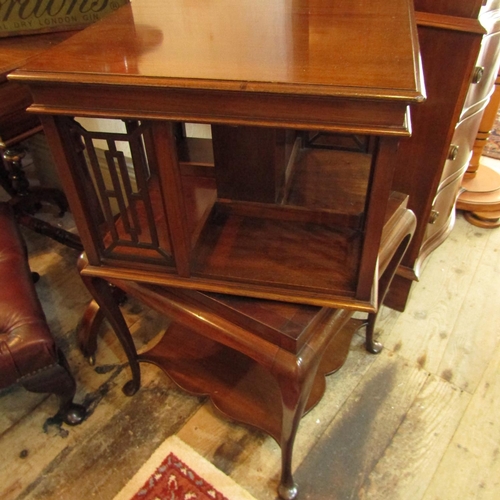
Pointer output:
x,y
459,47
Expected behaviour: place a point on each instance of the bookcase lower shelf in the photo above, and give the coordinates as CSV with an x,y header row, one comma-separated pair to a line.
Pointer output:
x,y
237,385
262,363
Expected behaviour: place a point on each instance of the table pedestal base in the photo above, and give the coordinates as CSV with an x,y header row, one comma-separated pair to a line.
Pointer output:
x,y
480,199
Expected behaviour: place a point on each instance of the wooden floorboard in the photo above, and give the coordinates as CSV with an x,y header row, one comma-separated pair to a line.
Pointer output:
x,y
476,332
417,422
422,334
408,463
340,464
470,467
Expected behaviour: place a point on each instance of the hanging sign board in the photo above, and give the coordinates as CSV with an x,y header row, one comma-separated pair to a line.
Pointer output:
x,y
27,17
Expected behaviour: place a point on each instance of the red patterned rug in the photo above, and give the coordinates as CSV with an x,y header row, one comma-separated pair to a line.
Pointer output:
x,y
176,472
492,148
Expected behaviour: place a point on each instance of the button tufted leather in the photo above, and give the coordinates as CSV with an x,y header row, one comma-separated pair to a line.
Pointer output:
x,y
26,344
28,352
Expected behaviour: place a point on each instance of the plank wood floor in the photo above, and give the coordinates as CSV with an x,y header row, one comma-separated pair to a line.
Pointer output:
x,y
417,422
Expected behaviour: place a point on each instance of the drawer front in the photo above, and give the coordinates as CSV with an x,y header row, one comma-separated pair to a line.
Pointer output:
x,y
441,211
461,146
485,73
459,8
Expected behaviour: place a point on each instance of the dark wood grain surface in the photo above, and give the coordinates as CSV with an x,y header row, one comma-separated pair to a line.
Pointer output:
x,y
248,45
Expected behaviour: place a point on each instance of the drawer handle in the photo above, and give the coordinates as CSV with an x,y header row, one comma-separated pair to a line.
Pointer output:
x,y
433,217
453,152
477,76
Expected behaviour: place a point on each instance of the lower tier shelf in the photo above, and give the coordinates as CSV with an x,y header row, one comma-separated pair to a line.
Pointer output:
x,y
238,387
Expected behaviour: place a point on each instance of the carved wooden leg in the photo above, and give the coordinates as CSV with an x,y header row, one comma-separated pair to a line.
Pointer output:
x,y
26,197
57,379
13,158
102,293
295,385
88,330
26,200
33,200
5,181
371,344
91,322
385,280
44,228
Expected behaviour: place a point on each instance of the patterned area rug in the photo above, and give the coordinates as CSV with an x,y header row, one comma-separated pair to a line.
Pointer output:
x,y
492,148
176,472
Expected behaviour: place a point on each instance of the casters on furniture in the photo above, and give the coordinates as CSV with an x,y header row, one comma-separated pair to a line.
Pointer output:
x,y
57,379
74,415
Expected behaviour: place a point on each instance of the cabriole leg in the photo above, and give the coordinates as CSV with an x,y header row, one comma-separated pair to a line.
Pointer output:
x,y
295,389
102,293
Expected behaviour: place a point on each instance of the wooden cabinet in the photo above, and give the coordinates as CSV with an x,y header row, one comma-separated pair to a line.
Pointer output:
x,y
321,230
459,49
256,231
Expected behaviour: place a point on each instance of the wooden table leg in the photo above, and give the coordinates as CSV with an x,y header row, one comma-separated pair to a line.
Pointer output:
x,y
103,296
26,200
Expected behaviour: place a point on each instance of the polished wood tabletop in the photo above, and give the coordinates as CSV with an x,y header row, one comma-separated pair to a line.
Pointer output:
x,y
15,123
346,48
288,42
17,50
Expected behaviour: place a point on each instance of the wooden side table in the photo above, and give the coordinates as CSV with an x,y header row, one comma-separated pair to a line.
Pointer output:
x,y
307,230
17,125
261,362
480,196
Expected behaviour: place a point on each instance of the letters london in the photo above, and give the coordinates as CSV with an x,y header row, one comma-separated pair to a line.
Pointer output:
x,y
19,17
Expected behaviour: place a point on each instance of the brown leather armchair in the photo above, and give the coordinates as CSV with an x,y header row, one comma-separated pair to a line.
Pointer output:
x,y
28,353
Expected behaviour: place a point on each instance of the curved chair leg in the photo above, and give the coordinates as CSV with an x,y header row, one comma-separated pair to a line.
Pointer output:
x,y
57,379
103,295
